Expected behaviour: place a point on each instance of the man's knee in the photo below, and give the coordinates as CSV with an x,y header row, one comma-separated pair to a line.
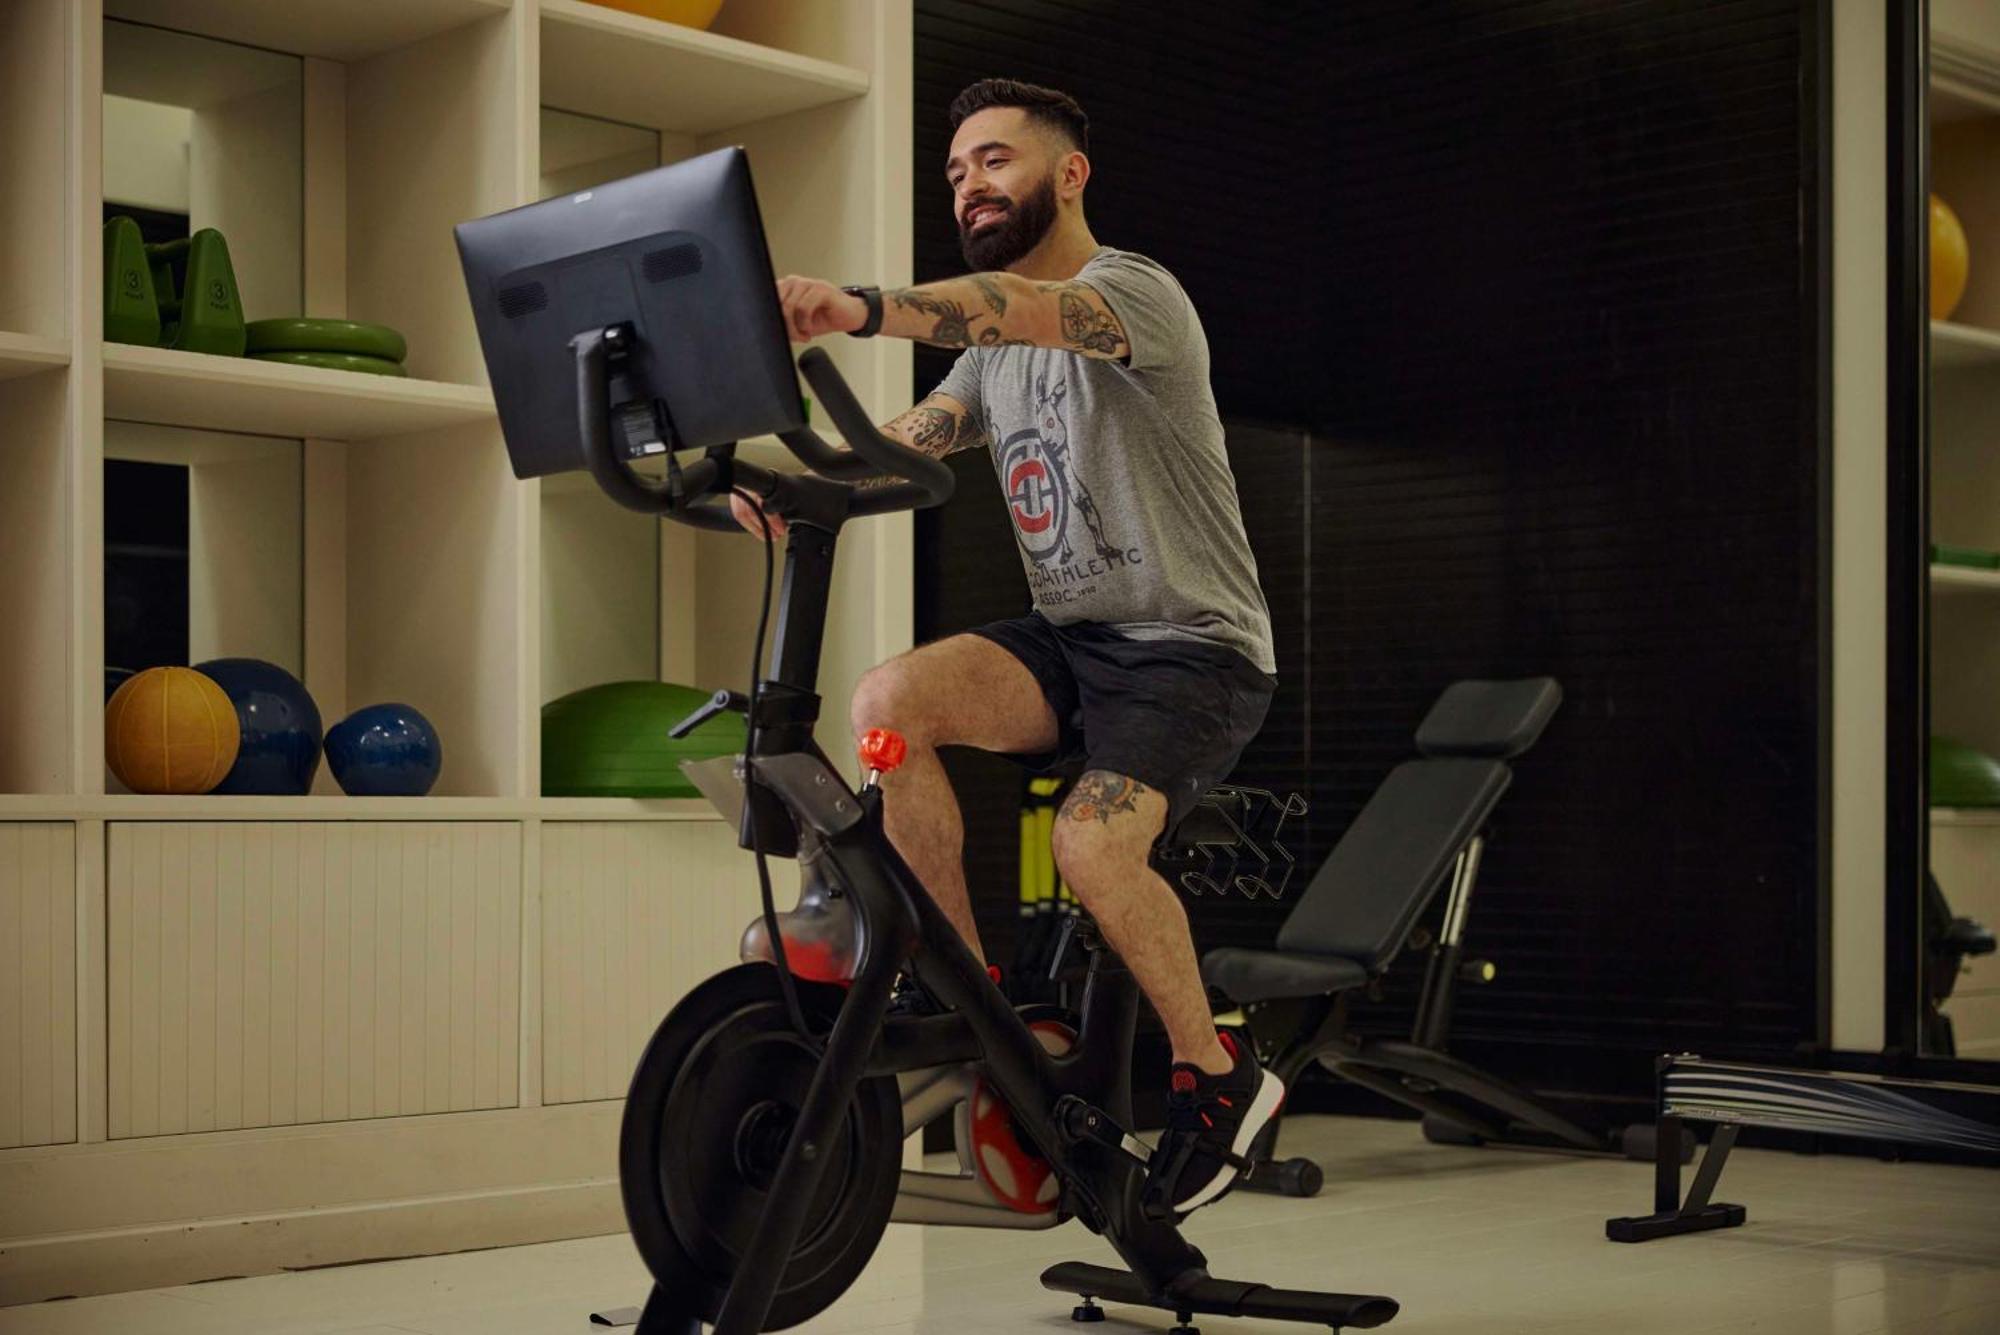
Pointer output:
x,y
1092,857
1105,831
891,695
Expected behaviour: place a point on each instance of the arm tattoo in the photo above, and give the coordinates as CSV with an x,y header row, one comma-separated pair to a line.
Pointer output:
x,y
932,432
1099,795
1089,330
929,429
980,310
995,298
953,328
971,435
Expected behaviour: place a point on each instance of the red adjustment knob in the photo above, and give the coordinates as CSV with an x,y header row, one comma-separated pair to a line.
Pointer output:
x,y
883,750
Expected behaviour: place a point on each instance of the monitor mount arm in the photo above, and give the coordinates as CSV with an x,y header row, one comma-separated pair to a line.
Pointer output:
x,y
697,493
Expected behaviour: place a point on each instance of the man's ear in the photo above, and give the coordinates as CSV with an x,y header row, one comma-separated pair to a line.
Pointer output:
x,y
1073,174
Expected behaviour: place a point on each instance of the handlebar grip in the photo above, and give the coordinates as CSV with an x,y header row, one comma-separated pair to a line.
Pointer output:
x,y
930,476
896,496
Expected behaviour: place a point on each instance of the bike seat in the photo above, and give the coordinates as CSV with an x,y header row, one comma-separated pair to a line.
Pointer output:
x,y
1268,975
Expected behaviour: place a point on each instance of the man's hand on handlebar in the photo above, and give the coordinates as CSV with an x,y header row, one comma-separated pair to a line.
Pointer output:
x,y
813,308
746,515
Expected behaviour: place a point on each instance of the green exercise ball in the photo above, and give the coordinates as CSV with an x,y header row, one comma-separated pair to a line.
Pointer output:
x,y
611,740
1962,776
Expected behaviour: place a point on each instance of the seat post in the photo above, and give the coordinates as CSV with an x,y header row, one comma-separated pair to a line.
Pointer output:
x,y
1441,976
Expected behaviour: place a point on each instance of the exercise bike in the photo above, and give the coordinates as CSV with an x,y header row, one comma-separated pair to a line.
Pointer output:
x,y
760,1156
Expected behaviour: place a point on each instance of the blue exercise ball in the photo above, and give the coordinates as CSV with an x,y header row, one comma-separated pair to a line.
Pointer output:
x,y
281,727
384,751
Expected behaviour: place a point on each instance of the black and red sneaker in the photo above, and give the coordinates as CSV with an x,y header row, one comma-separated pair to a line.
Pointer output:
x,y
1211,1121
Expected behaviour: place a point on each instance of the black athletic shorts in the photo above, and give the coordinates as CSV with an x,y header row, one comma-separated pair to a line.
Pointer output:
x,y
1173,714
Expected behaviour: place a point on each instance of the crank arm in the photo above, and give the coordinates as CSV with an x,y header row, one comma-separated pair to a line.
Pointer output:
x,y
1081,1121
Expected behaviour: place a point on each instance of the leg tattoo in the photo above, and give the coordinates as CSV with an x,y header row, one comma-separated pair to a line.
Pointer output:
x,y
1099,795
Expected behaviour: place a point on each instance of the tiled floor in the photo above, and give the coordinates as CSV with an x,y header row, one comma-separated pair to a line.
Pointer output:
x,y
1476,1241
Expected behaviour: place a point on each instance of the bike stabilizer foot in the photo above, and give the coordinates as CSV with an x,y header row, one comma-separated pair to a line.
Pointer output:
x,y
1197,1293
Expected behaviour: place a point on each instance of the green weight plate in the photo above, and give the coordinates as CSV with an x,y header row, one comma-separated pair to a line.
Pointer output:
x,y
307,335
1973,557
332,361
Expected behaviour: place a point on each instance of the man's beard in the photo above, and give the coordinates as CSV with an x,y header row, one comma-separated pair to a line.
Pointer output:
x,y
1020,229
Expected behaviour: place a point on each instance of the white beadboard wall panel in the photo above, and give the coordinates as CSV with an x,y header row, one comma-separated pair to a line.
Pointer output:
x,y
37,984
278,973
634,914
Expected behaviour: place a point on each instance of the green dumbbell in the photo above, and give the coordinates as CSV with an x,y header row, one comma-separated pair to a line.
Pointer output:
x,y
165,288
210,309
131,309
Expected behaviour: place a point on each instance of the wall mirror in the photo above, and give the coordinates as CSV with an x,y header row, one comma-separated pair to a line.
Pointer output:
x,y
203,549
199,134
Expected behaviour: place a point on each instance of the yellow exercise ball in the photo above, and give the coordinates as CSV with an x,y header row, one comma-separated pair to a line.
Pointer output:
x,y
1950,260
687,13
170,730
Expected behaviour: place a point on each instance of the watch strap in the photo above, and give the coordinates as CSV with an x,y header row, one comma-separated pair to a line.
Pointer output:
x,y
873,324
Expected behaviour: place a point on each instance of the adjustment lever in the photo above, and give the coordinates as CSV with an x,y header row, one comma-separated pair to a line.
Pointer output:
x,y
717,703
1076,933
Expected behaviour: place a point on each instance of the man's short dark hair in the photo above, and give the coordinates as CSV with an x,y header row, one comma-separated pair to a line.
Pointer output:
x,y
1048,107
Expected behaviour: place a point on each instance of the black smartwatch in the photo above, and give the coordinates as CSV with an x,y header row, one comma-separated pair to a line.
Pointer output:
x,y
873,324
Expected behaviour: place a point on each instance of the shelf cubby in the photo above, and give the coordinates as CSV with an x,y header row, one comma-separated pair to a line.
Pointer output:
x,y
346,31
35,598
34,219
1965,173
625,67
623,596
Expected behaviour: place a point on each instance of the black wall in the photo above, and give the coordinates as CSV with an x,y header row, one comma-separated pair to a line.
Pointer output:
x,y
1514,311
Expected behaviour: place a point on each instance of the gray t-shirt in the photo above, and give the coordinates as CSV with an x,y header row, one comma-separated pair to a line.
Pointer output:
x,y
1115,476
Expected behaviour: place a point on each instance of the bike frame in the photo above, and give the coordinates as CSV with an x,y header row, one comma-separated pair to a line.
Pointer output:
x,y
1102,1168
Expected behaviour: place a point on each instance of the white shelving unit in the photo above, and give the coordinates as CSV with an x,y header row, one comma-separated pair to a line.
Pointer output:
x,y
1965,478
271,1032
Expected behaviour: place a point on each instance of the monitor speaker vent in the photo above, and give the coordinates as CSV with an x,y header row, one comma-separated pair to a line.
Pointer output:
x,y
661,266
523,299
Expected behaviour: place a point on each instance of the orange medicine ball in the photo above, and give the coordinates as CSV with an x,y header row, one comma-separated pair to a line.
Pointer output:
x,y
170,730
1950,260
687,13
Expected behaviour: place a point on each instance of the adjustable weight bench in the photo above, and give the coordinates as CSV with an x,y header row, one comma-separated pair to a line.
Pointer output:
x,y
1421,830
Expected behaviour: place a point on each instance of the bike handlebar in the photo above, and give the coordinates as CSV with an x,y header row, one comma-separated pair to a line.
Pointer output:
x,y
696,495
931,478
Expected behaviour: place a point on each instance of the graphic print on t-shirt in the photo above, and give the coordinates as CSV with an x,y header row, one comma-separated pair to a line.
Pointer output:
x,y
1045,495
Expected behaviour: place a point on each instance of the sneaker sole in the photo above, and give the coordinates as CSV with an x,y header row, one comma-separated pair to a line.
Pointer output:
x,y
1270,1093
